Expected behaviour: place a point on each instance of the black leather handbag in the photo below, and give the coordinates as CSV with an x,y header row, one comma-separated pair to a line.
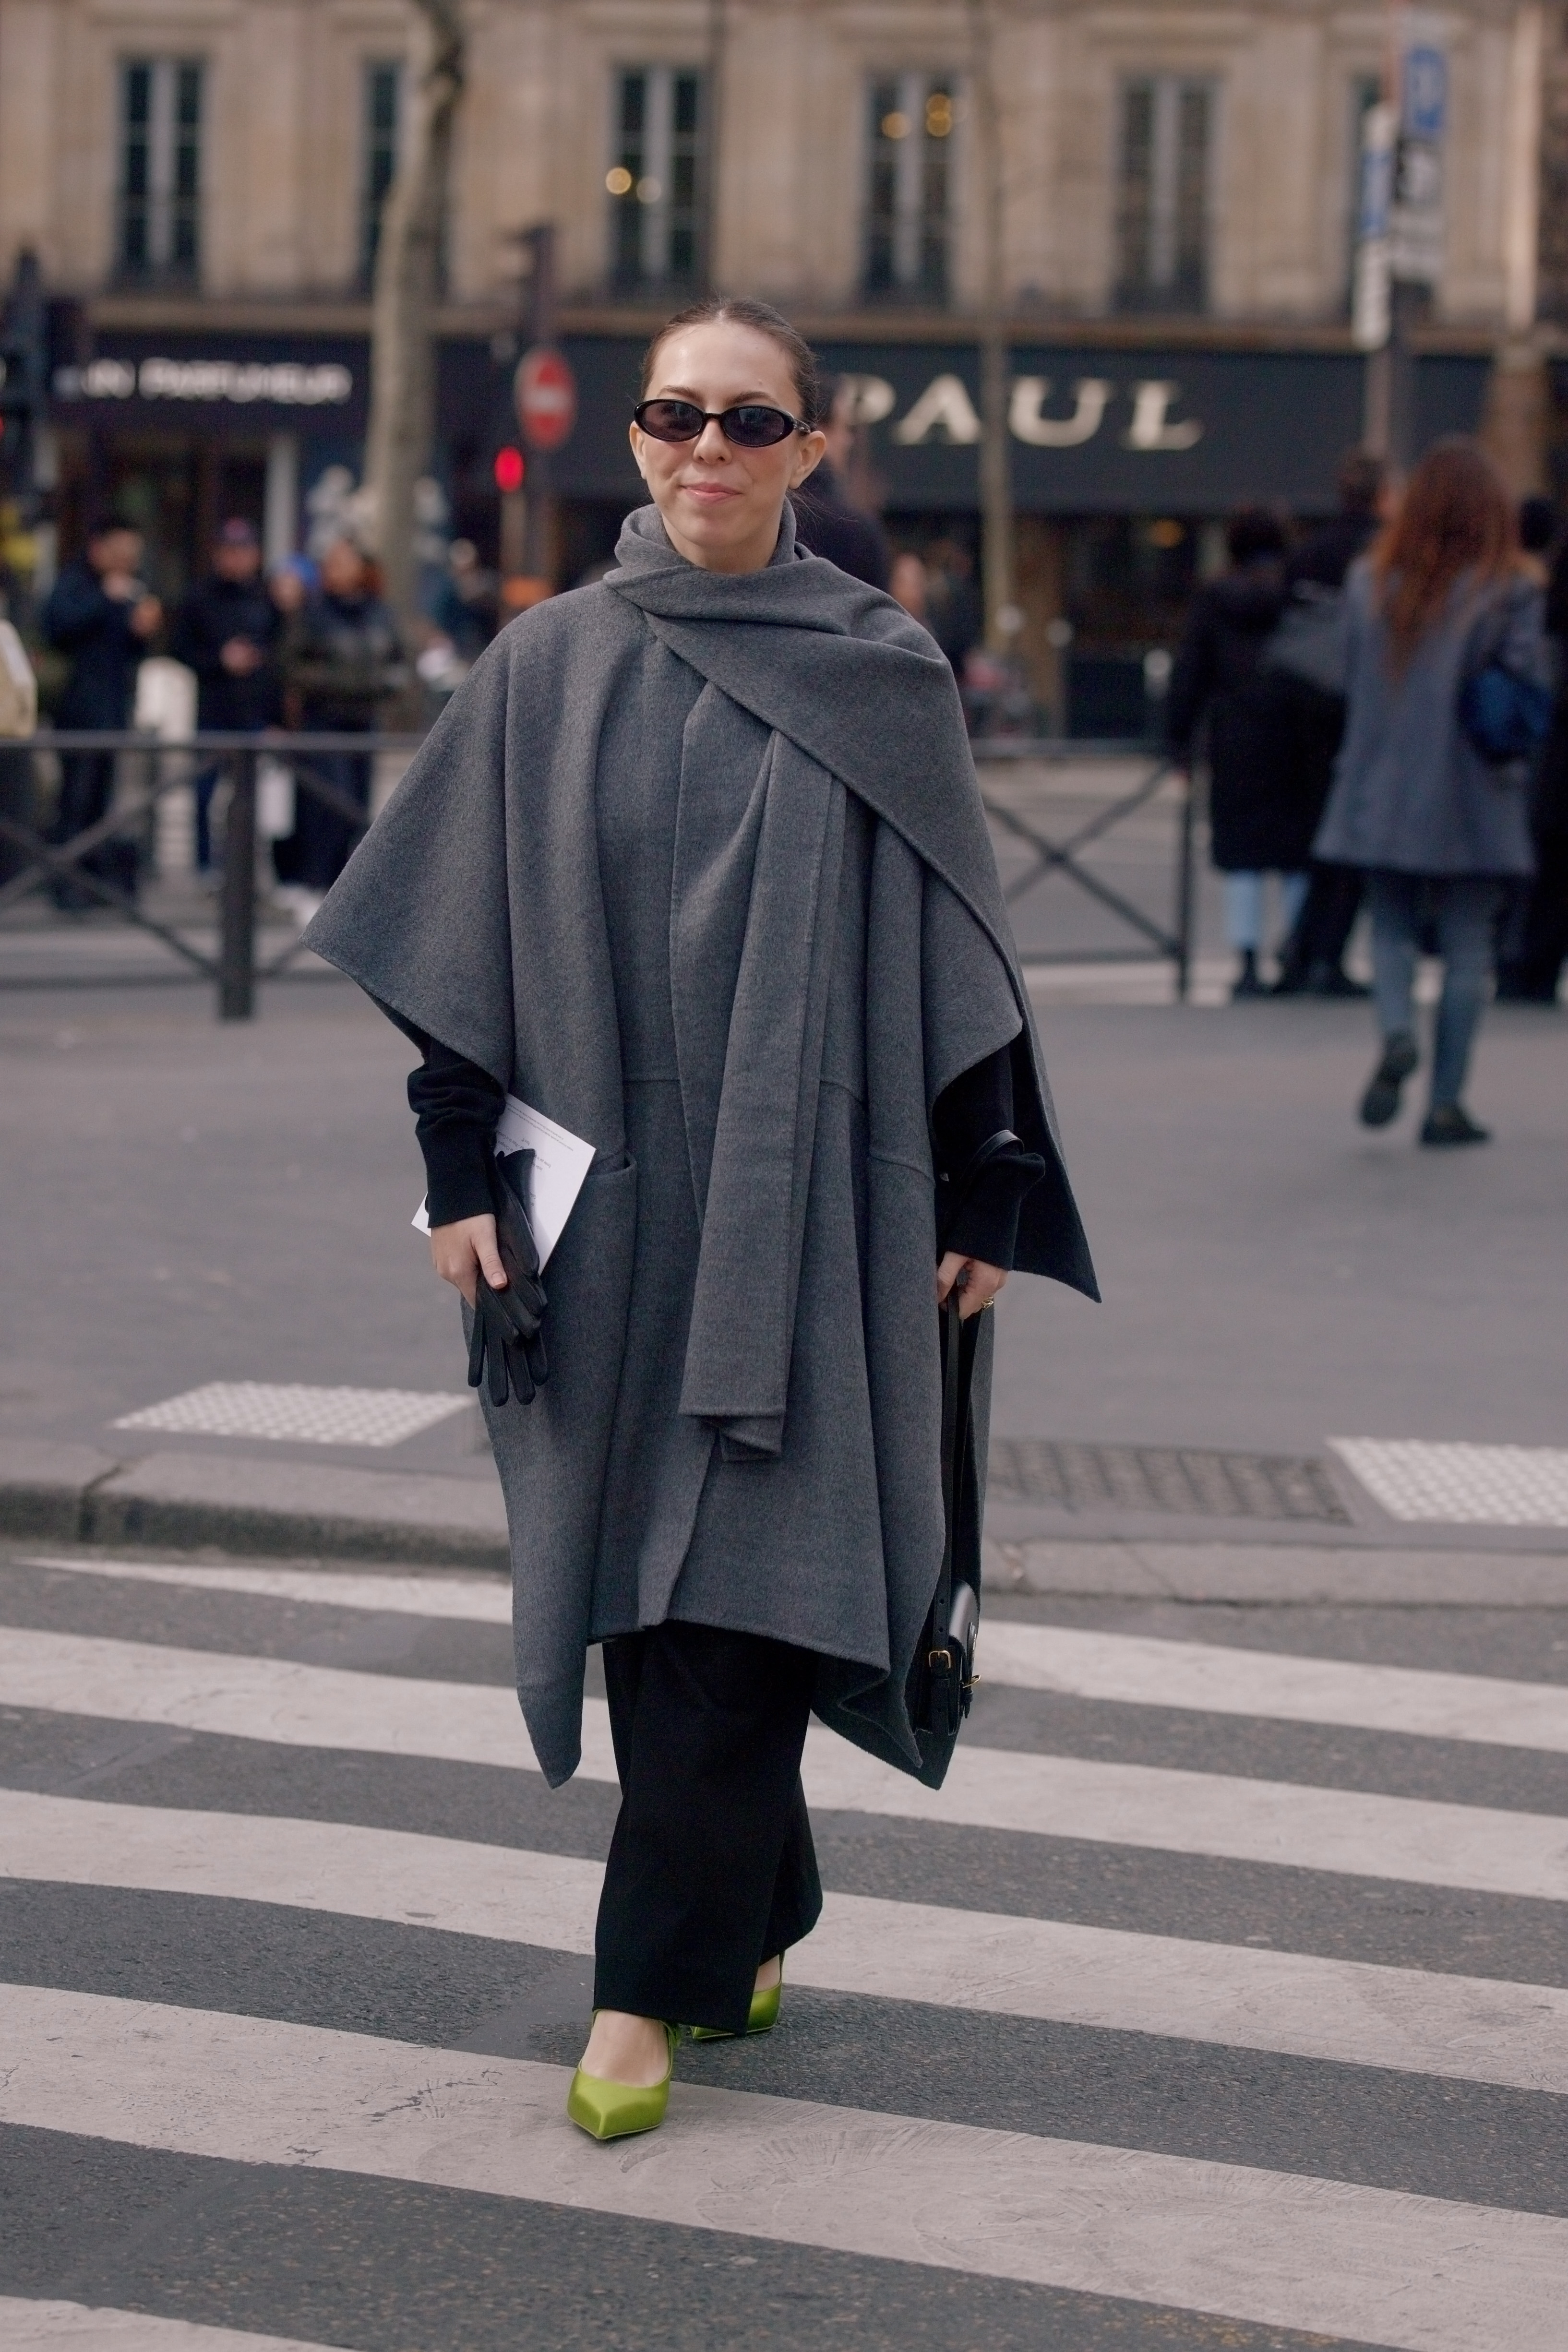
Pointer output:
x,y
506,1336
941,1678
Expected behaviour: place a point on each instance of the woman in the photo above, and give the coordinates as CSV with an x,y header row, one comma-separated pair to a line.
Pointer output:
x,y
695,864
1256,827
1437,827
341,661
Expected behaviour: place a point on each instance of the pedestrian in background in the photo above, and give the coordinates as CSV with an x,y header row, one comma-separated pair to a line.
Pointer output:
x,y
1436,826
1529,969
342,660
1310,716
1255,825
228,630
953,612
672,828
100,613
909,584
826,522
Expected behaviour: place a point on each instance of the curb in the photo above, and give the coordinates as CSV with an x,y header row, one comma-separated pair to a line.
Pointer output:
x,y
72,1494
1257,1572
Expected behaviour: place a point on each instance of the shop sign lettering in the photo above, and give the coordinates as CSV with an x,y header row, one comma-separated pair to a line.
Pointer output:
x,y
946,411
284,383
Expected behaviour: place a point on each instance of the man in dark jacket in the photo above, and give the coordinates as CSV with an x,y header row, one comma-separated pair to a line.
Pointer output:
x,y
1532,974
342,660
1254,826
1311,724
99,614
825,523
227,630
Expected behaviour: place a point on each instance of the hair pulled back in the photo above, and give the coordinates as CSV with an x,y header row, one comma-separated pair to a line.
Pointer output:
x,y
744,311
1456,517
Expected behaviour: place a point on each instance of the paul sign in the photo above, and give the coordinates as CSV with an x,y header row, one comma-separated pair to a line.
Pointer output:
x,y
1037,414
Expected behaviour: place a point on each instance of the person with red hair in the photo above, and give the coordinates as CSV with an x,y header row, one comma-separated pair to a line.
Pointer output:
x,y
1433,812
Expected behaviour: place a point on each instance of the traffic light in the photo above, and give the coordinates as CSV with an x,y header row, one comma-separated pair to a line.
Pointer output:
x,y
22,383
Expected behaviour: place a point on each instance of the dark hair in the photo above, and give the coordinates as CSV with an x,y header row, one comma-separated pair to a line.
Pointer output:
x,y
1456,517
1253,531
102,525
1537,524
1359,480
742,311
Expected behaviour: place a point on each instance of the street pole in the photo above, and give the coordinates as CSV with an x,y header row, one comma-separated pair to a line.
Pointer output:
x,y
539,497
237,953
999,579
1399,257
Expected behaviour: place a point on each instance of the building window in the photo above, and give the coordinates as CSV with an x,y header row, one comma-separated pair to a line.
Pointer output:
x,y
909,207
656,181
160,170
381,110
1163,223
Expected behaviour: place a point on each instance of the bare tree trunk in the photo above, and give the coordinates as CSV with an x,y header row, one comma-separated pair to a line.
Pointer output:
x,y
407,265
995,453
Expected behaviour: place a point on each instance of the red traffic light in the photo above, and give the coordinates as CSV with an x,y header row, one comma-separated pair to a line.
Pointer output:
x,y
509,469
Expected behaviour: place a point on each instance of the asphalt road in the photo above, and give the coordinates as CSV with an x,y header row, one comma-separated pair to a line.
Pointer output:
x,y
188,1202
1168,2023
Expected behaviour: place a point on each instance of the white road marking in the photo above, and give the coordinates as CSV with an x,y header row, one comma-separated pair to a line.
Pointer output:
x,y
1139,1671
1277,1823
1493,1486
82,2328
292,1412
484,1599
1132,1669
1282,2250
1462,2028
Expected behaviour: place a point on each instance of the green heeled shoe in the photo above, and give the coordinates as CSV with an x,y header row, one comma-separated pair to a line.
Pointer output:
x,y
607,2110
763,2016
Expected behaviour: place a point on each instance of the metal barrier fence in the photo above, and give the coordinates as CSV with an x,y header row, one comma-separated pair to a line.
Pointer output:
x,y
1152,941
148,769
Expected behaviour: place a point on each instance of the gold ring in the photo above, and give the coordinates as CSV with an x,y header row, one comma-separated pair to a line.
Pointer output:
x,y
986,1305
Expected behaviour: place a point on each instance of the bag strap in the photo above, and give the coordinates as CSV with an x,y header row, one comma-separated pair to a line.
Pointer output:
x,y
953,1402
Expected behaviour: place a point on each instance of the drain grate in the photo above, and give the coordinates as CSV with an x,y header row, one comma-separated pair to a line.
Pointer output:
x,y
1173,1479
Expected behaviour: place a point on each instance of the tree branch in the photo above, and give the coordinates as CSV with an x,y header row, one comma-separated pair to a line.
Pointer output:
x,y
401,426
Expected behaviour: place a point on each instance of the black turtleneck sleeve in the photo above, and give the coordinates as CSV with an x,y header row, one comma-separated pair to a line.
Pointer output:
x,y
975,1107
457,1108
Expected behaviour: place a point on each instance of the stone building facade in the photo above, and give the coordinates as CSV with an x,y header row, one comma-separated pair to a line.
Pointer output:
x,y
200,179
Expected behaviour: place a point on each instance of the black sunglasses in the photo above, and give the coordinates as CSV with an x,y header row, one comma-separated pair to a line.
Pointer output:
x,y
750,425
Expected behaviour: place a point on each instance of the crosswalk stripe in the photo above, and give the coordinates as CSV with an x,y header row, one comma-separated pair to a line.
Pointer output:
x,y
1464,2028
1139,1671
1418,2273
483,1599
83,2328
1360,1835
1132,1669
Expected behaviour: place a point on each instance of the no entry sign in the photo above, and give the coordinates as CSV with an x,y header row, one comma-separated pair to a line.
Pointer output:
x,y
545,392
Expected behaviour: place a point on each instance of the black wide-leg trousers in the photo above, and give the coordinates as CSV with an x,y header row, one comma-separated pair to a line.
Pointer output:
x,y
711,1868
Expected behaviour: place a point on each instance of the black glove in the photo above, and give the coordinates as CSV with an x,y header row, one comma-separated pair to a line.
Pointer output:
x,y
507,1322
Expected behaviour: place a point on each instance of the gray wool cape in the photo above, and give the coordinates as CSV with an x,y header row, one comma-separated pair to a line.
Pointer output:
x,y
697,865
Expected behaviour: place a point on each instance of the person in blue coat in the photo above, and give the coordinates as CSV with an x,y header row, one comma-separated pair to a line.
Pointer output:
x,y
100,613
1437,828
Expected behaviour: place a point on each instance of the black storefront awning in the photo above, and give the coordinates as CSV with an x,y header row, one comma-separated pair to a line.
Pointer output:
x,y
1093,431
